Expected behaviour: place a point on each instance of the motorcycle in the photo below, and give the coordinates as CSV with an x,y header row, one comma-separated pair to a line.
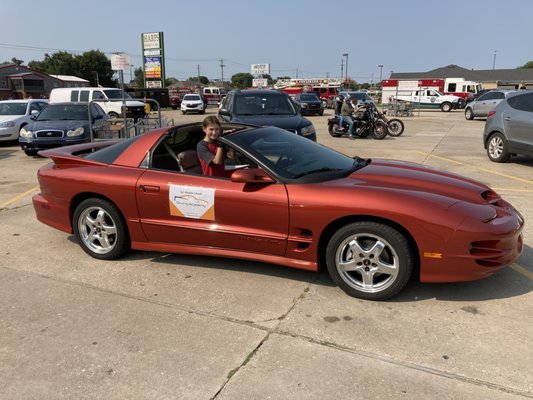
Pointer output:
x,y
367,123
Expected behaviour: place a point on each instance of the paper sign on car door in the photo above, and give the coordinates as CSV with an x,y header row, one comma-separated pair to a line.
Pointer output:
x,y
192,202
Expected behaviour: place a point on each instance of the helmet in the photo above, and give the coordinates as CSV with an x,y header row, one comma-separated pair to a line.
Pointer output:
x,y
347,97
340,98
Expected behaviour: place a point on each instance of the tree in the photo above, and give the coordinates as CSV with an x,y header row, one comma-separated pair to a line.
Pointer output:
x,y
242,80
204,80
92,65
527,65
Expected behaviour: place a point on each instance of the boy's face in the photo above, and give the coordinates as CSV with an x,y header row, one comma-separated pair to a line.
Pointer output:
x,y
212,131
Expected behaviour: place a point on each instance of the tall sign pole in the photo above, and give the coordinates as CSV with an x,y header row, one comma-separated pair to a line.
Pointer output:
x,y
153,59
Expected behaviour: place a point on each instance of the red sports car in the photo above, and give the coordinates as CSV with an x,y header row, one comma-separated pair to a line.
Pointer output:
x,y
287,200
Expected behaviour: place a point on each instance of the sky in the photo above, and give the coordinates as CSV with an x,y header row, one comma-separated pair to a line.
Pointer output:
x,y
300,39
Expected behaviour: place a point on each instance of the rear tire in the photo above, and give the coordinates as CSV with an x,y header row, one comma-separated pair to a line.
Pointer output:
x,y
380,130
498,148
100,229
333,129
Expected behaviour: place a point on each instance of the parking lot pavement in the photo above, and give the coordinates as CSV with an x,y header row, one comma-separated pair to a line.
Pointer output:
x,y
168,326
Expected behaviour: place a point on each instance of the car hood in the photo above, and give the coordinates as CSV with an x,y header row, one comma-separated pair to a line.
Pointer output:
x,y
411,177
5,118
288,122
59,124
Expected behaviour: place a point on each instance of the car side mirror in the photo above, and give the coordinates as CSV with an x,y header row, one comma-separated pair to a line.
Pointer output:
x,y
224,111
34,113
251,175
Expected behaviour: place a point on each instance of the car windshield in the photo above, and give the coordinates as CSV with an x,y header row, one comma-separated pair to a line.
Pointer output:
x,y
64,112
191,97
309,97
293,157
13,108
116,94
359,96
263,104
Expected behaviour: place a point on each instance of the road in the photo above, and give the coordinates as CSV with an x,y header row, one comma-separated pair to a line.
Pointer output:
x,y
169,326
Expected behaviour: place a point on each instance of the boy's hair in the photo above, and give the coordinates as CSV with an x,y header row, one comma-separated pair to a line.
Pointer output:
x,y
210,120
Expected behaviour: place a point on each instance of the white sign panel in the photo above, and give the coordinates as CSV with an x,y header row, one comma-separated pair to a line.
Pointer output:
x,y
409,85
192,202
120,62
151,40
259,82
260,69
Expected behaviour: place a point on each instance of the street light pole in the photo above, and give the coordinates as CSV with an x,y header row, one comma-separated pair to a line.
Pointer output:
x,y
380,66
346,78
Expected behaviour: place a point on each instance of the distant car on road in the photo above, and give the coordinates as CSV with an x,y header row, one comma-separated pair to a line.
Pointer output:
x,y
309,103
265,107
16,114
192,103
60,124
509,127
485,103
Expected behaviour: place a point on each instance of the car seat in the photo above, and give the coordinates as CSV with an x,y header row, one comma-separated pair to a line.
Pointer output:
x,y
188,162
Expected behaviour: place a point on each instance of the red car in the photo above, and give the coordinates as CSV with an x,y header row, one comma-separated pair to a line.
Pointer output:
x,y
287,200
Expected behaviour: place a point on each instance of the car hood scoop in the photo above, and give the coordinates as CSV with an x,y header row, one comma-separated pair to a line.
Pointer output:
x,y
408,176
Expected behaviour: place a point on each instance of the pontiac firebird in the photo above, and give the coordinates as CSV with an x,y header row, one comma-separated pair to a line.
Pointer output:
x,y
286,200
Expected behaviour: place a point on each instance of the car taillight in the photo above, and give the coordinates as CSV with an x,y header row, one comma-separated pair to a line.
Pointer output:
x,y
491,113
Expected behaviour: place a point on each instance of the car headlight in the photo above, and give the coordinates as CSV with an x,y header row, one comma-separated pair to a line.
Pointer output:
x,y
76,132
304,105
7,124
25,133
308,130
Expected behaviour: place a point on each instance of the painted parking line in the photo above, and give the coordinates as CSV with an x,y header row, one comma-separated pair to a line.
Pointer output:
x,y
521,270
515,178
18,197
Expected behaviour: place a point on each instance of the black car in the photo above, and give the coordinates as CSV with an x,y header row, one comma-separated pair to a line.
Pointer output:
x,y
61,124
309,103
265,108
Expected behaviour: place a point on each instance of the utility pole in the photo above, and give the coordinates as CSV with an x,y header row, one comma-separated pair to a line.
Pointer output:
x,y
222,69
198,76
342,68
494,60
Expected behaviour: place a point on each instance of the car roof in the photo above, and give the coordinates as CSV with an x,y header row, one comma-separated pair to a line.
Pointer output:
x,y
249,92
22,100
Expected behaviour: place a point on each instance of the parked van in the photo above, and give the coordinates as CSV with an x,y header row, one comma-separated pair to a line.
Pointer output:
x,y
213,94
134,109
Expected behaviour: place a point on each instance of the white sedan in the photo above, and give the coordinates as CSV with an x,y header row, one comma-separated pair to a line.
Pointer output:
x,y
15,114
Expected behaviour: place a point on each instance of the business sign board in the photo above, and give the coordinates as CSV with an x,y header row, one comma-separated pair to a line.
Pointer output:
x,y
260,69
153,59
120,62
259,82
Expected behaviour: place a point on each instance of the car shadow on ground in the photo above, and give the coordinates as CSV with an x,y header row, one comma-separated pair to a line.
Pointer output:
x,y
504,284
5,151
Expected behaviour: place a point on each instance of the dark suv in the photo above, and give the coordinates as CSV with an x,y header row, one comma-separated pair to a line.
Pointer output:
x,y
265,107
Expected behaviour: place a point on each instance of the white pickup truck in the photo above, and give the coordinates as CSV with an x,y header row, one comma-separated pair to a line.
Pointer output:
x,y
429,98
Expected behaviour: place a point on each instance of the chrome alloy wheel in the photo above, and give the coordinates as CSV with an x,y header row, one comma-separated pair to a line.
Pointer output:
x,y
367,262
97,230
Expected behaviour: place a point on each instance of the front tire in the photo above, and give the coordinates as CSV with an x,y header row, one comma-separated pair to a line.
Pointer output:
x,y
380,130
498,148
31,153
396,127
369,260
469,114
100,229
446,107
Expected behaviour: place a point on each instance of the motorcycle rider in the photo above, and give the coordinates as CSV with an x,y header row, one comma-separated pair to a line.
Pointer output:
x,y
338,105
346,115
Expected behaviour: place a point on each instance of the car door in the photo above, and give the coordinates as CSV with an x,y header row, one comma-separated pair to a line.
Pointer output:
x,y
196,210
518,121
487,102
